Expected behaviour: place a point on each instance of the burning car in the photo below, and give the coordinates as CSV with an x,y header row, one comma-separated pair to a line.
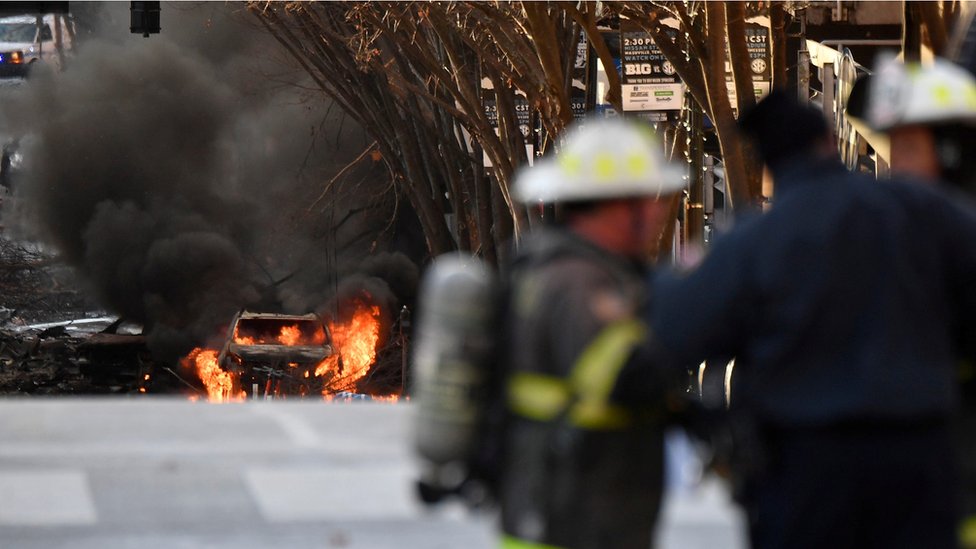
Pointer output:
x,y
271,355
275,354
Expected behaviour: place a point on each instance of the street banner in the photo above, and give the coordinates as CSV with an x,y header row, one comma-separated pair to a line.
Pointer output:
x,y
760,60
523,114
649,81
757,42
577,95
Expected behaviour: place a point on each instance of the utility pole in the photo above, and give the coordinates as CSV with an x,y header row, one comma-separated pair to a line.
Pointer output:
x,y
803,61
404,351
695,206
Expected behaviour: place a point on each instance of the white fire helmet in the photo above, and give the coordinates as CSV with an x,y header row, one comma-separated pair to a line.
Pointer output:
x,y
913,94
601,159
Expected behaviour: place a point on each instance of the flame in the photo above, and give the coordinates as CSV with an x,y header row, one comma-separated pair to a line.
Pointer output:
x,y
290,335
355,342
219,383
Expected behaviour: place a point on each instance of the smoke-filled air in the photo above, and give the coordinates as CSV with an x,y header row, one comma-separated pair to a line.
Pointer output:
x,y
177,173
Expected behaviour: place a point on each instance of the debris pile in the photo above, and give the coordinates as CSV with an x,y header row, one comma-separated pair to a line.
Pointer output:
x,y
47,324
62,364
36,287
55,341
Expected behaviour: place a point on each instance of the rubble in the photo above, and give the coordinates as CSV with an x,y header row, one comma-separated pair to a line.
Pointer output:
x,y
86,364
49,340
55,340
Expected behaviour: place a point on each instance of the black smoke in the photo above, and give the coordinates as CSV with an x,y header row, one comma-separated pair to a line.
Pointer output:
x,y
176,173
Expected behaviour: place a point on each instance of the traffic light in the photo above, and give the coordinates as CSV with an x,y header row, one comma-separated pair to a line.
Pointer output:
x,y
144,18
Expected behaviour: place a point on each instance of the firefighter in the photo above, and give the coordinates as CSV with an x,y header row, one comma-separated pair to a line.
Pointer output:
x,y
582,465
838,305
929,115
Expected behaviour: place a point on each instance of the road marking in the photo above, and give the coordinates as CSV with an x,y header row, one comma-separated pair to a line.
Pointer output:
x,y
298,430
45,498
314,494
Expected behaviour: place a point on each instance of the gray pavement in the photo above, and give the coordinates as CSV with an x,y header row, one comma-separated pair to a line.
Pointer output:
x,y
167,473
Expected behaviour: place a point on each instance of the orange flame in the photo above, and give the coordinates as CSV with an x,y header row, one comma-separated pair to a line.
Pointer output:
x,y
355,342
219,383
289,335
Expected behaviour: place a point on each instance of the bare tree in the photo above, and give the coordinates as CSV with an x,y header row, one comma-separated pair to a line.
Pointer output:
x,y
698,54
939,19
417,77
414,76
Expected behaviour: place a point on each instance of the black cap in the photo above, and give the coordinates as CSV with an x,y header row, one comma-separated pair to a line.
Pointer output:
x,y
783,127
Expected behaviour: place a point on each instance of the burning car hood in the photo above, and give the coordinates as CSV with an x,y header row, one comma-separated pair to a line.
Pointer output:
x,y
285,353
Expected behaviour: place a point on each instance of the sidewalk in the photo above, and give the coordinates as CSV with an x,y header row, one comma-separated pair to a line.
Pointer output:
x,y
167,473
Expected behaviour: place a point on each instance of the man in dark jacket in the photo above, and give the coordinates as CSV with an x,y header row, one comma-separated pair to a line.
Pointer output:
x,y
838,306
583,449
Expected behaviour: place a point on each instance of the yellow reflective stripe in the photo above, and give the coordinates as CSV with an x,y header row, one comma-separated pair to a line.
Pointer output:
x,y
509,542
598,416
545,398
597,368
967,532
537,396
586,394
595,374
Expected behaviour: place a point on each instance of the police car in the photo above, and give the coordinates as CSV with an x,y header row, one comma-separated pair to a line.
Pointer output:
x,y
25,40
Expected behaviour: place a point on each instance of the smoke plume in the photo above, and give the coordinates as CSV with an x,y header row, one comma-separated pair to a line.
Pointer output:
x,y
173,172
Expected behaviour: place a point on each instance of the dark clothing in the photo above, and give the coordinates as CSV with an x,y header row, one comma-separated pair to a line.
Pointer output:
x,y
837,303
566,483
840,306
831,488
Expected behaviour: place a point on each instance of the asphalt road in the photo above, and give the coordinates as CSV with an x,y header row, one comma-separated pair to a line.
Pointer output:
x,y
167,473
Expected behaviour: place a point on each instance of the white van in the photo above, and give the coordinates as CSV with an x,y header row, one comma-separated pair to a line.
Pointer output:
x,y
23,42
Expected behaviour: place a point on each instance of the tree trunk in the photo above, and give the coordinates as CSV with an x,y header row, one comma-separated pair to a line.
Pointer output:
x,y
586,19
777,31
935,26
543,30
721,108
739,55
911,37
482,185
745,92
